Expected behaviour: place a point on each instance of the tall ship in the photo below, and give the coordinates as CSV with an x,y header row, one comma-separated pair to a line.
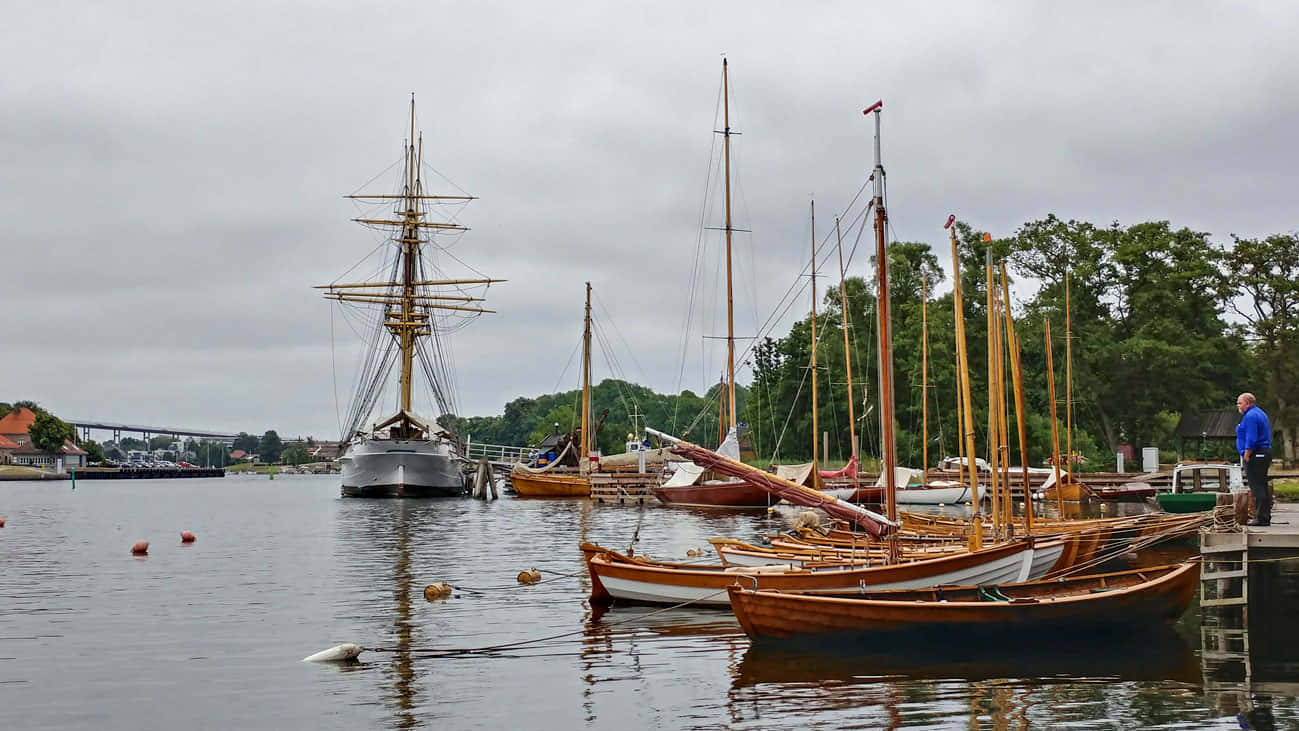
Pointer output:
x,y
406,314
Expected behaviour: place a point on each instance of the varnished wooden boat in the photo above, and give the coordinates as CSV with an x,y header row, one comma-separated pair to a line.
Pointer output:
x,y
734,552
1126,599
550,484
615,576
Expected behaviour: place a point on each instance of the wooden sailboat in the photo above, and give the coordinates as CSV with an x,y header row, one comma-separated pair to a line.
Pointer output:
x,y
691,487
406,455
618,577
552,481
1128,600
926,493
1065,487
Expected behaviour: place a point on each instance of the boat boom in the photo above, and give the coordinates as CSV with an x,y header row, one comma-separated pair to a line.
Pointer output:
x,y
873,523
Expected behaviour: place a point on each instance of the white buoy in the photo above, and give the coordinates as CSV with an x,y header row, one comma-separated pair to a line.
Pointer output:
x,y
337,653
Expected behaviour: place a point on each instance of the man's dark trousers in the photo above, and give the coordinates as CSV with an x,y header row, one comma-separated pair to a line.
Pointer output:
x,y
1256,475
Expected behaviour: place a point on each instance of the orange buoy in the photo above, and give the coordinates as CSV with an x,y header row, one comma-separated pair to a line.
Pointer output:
x,y
437,590
530,576
2,522
140,548
186,537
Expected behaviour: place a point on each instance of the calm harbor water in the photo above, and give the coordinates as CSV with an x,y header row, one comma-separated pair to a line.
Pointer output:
x,y
210,635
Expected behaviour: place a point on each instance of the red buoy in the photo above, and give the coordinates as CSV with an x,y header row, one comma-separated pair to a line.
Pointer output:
x,y
186,537
2,522
140,548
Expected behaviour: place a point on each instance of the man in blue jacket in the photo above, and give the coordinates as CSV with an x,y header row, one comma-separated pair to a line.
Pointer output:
x,y
1254,443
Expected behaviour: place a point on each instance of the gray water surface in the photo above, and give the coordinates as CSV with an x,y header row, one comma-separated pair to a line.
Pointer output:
x,y
211,635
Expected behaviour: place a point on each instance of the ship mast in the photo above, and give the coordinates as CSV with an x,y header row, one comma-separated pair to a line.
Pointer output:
x,y
847,357
888,451
730,297
407,300
815,425
585,464
966,416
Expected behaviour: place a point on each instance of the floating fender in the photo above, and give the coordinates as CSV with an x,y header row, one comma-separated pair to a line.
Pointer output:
x,y
695,552
140,548
187,537
338,653
438,590
529,576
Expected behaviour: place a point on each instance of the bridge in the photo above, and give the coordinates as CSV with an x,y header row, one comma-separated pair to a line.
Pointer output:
x,y
85,425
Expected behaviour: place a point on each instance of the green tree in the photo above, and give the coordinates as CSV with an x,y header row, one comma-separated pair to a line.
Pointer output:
x,y
5,409
270,447
1262,287
295,453
94,452
246,442
162,441
48,432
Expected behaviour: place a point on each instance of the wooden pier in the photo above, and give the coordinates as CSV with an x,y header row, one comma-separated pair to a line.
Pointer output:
x,y
1244,621
614,487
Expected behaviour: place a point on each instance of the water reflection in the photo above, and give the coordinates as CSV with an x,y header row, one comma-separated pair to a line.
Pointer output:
x,y
1249,656
1161,654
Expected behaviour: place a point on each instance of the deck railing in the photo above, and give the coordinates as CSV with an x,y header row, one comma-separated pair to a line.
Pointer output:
x,y
502,453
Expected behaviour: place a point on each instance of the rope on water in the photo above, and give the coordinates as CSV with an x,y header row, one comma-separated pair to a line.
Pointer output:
x,y
350,651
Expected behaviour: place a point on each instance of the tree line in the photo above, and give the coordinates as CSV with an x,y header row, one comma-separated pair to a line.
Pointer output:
x,y
1162,321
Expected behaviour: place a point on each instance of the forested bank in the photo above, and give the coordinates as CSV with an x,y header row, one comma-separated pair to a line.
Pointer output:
x,y
1163,321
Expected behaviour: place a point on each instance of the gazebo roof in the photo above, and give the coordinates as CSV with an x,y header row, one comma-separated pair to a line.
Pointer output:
x,y
1212,424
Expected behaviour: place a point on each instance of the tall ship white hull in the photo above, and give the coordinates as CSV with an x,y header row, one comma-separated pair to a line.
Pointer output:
x,y
401,468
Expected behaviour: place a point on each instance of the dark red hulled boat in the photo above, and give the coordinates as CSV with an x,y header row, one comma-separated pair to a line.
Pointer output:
x,y
728,494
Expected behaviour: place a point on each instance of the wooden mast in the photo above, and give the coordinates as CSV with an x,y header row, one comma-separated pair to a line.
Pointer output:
x,y
1017,375
1055,427
888,451
815,425
924,380
847,356
1068,384
586,387
1003,416
730,296
963,378
994,446
410,243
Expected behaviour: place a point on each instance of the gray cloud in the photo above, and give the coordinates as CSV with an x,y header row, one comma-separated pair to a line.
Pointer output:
x,y
173,174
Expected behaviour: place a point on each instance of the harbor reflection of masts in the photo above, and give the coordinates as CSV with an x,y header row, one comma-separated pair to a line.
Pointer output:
x,y
403,665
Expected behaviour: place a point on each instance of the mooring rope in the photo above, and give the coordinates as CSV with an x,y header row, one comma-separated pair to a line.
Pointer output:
x,y
450,651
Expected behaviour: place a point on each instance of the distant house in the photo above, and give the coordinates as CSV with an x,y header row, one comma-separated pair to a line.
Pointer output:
x,y
15,425
14,428
7,447
240,454
1202,427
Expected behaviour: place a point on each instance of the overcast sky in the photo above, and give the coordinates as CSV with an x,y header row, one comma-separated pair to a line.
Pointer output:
x,y
173,173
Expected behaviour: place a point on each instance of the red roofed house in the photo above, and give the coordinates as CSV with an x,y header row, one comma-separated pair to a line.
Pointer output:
x,y
13,428
7,448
